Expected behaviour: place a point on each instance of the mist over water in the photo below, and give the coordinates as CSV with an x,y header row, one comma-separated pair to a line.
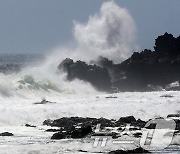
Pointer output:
x,y
109,32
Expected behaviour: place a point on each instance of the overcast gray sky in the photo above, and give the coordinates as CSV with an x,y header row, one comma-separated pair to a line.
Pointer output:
x,y
36,26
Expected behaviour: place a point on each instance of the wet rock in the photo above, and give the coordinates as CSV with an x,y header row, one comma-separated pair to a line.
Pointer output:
x,y
6,134
84,151
103,122
73,133
103,62
80,133
97,76
63,122
48,122
137,150
173,116
140,123
78,121
78,127
167,96
65,65
128,119
111,97
53,130
144,71
44,102
28,125
167,44
58,136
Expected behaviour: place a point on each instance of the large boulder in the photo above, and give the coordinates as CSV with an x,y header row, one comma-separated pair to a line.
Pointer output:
x,y
167,45
96,75
6,134
128,119
158,68
82,132
58,136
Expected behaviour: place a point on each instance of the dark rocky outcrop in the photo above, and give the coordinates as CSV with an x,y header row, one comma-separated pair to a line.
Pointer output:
x,y
128,119
140,123
137,150
78,121
29,125
143,71
97,76
53,130
59,135
78,127
82,132
44,102
72,132
167,96
6,134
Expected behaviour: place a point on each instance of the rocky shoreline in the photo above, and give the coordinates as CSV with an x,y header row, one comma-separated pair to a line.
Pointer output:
x,y
79,127
143,71
87,129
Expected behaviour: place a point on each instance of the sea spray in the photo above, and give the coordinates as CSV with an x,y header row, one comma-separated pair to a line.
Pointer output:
x,y
111,33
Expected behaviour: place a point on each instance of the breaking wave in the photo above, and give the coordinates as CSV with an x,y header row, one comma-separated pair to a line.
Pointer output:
x,y
109,33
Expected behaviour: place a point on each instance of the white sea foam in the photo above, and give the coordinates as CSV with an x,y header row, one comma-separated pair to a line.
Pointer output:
x,y
108,33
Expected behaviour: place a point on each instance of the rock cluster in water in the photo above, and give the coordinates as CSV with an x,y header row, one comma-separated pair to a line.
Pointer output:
x,y
79,127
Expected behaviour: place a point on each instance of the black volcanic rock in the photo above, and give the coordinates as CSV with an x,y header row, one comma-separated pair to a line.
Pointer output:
x,y
104,62
103,121
143,71
28,125
97,76
167,45
137,150
80,133
75,133
79,127
128,119
63,122
156,68
59,135
140,123
65,65
6,134
67,122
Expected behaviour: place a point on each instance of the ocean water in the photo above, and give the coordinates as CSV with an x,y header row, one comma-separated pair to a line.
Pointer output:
x,y
19,93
